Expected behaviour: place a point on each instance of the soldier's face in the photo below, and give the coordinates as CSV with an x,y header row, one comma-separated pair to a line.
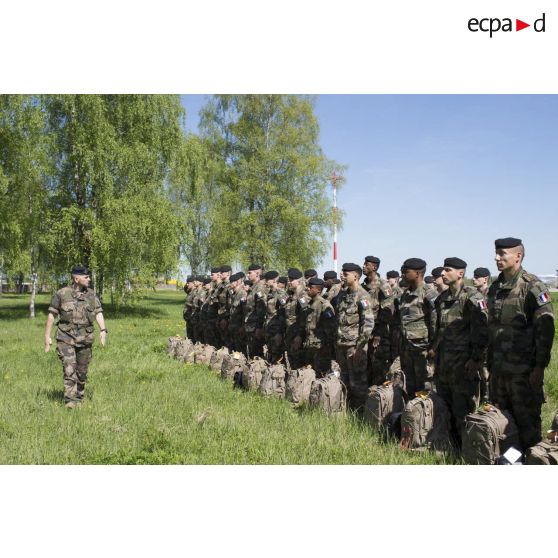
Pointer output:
x,y
507,258
369,267
294,283
450,275
351,278
281,285
215,276
314,291
82,280
254,275
393,281
225,275
439,281
271,283
480,282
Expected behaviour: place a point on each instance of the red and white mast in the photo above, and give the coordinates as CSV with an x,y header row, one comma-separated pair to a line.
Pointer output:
x,y
334,179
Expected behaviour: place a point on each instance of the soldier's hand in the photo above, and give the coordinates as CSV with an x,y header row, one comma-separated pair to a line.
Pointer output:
x,y
431,354
375,341
472,369
103,338
536,377
48,343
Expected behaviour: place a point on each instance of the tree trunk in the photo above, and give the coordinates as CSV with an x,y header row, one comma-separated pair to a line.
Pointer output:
x,y
33,284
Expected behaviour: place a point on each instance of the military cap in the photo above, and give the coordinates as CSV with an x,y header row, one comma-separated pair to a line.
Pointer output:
x,y
199,278
225,268
185,288
392,274
481,272
254,267
316,281
456,263
437,272
80,270
310,273
352,267
508,242
429,279
247,282
206,280
283,280
372,259
236,276
271,275
215,270
294,273
330,275
414,263
189,279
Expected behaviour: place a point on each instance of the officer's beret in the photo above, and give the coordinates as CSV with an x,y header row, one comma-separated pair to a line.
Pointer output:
x,y
294,273
392,274
283,280
310,273
247,282
80,270
372,259
330,275
508,242
199,278
225,268
271,275
437,272
414,263
429,279
206,280
481,272
236,276
316,281
215,270
456,263
352,267
254,267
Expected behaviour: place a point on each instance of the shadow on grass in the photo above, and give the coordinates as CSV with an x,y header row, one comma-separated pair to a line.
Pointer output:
x,y
57,395
124,312
20,311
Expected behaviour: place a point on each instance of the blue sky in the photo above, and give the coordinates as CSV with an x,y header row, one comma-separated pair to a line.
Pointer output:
x,y
433,176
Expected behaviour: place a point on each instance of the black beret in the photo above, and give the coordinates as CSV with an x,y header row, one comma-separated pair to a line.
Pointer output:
x,y
189,278
271,275
294,273
247,282
225,268
337,281
352,267
200,278
80,270
254,267
414,263
429,279
185,287
236,276
283,280
316,281
508,242
330,275
215,270
372,259
481,272
310,273
456,263
392,274
206,280
437,272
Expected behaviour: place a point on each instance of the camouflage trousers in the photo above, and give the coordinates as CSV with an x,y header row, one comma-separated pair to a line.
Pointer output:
x,y
418,372
379,360
461,395
295,355
275,347
353,374
75,362
256,342
198,332
211,334
318,358
237,338
223,332
190,330
514,393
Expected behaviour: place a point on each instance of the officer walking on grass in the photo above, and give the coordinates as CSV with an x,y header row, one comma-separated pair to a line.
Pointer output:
x,y
77,308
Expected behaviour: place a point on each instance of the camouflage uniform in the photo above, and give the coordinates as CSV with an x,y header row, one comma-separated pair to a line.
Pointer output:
x,y
274,326
210,316
320,328
461,335
379,358
394,326
198,301
77,309
223,312
254,317
331,294
417,320
293,326
188,313
521,333
355,326
236,332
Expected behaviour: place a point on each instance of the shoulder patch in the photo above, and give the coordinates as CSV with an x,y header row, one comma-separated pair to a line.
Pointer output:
x,y
543,298
258,294
282,301
328,313
482,304
364,303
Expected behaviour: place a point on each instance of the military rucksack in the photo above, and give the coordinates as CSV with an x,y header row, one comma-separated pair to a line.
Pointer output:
x,y
252,378
382,402
234,364
203,353
329,394
425,423
487,435
544,453
396,375
273,381
298,385
184,348
217,358
173,344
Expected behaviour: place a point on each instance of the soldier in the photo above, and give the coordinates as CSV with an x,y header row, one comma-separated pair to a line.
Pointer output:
x,y
238,295
207,334
393,280
417,321
521,333
77,308
333,286
223,309
282,283
293,327
460,345
199,296
189,289
211,310
429,282
382,298
481,280
320,327
354,330
309,273
439,284
254,311
274,325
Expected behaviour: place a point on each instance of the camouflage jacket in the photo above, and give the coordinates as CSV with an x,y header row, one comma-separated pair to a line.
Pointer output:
x,y
462,323
320,325
199,296
255,307
275,312
189,305
520,322
211,303
76,309
416,315
383,300
224,300
331,294
236,313
355,318
292,310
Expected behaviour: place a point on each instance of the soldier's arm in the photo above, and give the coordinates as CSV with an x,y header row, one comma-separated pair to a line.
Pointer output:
x,y
539,306
366,326
431,318
479,327
328,325
385,314
48,330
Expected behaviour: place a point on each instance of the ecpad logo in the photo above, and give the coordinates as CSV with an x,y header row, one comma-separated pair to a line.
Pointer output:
x,y
492,25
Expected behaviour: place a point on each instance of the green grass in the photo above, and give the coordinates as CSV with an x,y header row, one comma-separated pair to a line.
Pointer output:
x,y
145,408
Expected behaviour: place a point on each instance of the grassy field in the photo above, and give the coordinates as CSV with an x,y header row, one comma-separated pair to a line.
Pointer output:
x,y
145,408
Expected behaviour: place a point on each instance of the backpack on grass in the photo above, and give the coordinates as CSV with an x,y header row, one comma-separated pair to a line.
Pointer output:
x,y
298,385
382,402
203,353
217,358
273,381
184,348
234,364
329,394
252,378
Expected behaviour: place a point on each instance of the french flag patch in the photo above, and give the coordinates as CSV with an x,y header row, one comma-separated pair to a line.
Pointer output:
x,y
364,303
543,298
482,305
